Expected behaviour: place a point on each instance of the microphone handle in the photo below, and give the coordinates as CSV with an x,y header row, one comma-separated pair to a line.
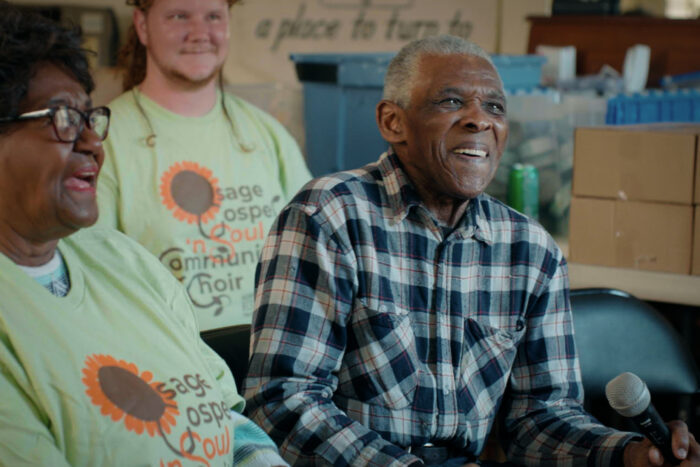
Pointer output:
x,y
652,425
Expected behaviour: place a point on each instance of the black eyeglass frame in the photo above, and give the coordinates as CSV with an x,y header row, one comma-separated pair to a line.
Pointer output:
x,y
51,112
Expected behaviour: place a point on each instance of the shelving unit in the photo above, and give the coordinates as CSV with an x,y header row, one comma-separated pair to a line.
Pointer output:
x,y
601,40
680,289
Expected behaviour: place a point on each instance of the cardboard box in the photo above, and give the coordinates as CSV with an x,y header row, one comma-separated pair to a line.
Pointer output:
x,y
629,234
654,162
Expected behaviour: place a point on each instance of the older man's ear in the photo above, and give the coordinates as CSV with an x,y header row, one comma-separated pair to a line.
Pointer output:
x,y
390,120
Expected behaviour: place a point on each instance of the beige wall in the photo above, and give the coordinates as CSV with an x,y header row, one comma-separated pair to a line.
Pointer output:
x,y
514,29
265,32
654,7
121,10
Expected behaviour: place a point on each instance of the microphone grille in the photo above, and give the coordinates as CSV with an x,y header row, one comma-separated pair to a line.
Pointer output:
x,y
627,394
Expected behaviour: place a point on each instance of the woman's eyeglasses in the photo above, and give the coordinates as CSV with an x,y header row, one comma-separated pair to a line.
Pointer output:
x,y
69,122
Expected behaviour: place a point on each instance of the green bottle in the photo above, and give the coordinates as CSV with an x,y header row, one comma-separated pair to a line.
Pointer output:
x,y
524,189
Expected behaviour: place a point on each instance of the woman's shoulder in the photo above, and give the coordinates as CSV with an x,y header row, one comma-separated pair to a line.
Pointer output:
x,y
109,249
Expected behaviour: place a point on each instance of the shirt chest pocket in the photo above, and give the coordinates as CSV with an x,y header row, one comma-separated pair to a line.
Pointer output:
x,y
380,365
487,359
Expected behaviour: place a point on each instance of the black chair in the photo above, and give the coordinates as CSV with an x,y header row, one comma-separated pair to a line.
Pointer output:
x,y
616,332
232,344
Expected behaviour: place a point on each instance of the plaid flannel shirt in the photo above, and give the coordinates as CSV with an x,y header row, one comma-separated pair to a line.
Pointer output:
x,y
373,332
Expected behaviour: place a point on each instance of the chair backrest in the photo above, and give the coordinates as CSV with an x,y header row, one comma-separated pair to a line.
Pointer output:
x,y
232,344
616,332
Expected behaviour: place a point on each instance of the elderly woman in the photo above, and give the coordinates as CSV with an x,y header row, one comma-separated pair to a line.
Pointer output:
x,y
100,357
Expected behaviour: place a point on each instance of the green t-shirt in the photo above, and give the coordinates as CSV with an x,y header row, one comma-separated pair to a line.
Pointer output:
x,y
196,199
114,373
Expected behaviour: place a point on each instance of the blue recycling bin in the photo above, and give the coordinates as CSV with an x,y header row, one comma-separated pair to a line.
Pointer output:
x,y
340,95
654,106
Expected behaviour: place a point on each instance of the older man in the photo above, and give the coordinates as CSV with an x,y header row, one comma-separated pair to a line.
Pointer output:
x,y
398,307
194,174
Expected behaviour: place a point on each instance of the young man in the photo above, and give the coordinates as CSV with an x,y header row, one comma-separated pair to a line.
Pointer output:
x,y
398,307
194,174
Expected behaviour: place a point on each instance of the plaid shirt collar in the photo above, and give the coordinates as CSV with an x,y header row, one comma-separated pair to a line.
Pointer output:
x,y
402,198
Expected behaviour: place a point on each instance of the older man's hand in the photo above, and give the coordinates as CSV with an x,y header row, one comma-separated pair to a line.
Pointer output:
x,y
683,443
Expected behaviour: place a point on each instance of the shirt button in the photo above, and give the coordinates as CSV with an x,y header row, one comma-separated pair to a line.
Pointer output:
x,y
445,391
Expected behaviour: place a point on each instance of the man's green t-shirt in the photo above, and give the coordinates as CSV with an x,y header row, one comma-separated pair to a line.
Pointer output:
x,y
203,197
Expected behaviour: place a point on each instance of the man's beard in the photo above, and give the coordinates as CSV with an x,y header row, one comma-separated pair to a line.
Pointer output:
x,y
193,84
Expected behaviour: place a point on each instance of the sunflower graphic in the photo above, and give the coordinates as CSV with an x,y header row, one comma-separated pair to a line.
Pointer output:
x,y
190,191
121,392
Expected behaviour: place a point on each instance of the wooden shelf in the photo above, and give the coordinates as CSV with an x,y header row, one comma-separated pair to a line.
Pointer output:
x,y
601,40
656,286
682,289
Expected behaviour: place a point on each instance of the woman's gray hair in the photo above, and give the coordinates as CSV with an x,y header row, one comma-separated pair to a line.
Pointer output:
x,y
401,72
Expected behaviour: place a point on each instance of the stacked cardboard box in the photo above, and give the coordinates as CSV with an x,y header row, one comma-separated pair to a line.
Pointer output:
x,y
636,191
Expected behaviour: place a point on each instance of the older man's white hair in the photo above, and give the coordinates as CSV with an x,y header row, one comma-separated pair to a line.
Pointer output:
x,y
403,68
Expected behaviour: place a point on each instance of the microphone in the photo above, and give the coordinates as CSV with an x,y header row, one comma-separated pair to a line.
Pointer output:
x,y
630,397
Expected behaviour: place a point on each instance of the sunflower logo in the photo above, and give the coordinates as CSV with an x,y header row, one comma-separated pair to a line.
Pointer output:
x,y
190,191
121,392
